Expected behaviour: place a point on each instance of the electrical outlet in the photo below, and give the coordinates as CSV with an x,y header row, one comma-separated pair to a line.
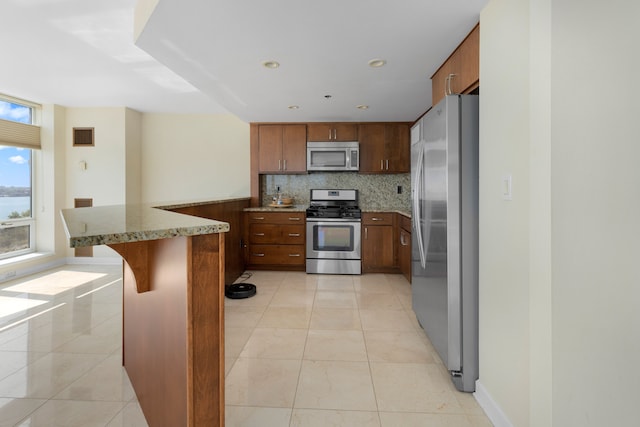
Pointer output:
x,y
277,188
399,189
7,275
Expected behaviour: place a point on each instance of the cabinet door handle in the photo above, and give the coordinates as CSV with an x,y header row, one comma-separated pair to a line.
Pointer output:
x,y
258,217
335,134
294,234
257,254
294,255
387,164
381,164
279,165
366,233
258,234
285,164
329,134
447,86
403,240
294,218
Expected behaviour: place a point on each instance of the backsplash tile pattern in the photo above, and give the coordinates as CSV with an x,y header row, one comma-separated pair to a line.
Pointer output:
x,y
375,191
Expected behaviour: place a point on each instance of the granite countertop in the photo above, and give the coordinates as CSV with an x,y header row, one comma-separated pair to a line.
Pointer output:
x,y
104,225
294,208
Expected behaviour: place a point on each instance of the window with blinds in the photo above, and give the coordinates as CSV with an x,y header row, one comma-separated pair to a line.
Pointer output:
x,y
18,137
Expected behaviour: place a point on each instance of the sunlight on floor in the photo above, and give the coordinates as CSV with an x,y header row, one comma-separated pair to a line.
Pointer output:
x,y
55,283
13,305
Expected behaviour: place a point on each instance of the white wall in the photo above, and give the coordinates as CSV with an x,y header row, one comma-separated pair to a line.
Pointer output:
x,y
559,285
133,161
595,212
104,179
188,157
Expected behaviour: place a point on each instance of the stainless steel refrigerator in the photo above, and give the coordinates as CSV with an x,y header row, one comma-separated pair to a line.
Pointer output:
x,y
444,187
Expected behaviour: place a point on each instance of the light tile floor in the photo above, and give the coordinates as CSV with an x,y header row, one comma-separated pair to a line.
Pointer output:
x,y
306,351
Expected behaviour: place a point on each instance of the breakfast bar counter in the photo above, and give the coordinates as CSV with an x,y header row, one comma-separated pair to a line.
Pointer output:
x,y
173,306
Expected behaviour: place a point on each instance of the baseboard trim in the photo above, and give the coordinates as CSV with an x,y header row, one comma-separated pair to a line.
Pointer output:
x,y
35,268
94,260
490,407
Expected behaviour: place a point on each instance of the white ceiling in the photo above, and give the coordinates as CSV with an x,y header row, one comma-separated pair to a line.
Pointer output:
x,y
81,53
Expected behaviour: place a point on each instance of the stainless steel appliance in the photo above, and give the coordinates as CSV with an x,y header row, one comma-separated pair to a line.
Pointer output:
x,y
333,156
444,177
334,232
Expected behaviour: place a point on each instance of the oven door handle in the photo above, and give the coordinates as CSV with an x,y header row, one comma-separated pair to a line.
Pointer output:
x,y
345,220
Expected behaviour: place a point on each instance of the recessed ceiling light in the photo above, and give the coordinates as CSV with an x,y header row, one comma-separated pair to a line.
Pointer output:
x,y
271,64
362,107
293,107
377,63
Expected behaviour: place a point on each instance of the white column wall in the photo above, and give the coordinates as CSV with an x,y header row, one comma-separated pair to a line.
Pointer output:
x,y
595,149
559,285
133,161
104,178
504,225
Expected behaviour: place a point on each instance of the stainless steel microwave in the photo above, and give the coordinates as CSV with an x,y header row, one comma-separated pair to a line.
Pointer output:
x,y
333,156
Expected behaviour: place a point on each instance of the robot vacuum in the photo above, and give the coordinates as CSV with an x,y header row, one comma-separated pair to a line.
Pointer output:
x,y
240,290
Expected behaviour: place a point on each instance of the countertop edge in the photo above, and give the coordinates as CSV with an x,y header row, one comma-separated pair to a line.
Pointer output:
x,y
303,208
104,225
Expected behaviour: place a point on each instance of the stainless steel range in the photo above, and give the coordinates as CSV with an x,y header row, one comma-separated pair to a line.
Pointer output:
x,y
333,232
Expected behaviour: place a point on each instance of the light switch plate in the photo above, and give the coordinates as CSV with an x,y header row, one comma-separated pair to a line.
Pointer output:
x,y
507,188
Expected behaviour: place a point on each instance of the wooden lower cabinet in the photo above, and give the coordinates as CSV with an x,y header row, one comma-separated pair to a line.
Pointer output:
x,y
275,240
404,246
378,249
276,255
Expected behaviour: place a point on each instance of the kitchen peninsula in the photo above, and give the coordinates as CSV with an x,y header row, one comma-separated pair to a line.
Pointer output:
x,y
173,306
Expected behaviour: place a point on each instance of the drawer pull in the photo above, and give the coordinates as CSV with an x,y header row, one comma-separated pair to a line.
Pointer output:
x,y
258,234
377,219
258,217
294,218
295,255
257,254
294,234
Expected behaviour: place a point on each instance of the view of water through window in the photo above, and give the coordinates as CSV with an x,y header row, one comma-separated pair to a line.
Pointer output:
x,y
15,186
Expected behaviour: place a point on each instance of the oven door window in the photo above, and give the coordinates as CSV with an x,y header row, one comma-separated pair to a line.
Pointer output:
x,y
329,158
333,238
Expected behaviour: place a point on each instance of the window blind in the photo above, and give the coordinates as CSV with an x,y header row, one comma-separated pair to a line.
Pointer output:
x,y
19,134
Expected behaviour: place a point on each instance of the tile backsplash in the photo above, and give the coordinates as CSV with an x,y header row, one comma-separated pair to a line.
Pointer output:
x,y
375,191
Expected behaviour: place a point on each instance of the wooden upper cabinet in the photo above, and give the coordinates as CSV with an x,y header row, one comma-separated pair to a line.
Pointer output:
x,y
282,148
332,132
294,148
460,73
384,148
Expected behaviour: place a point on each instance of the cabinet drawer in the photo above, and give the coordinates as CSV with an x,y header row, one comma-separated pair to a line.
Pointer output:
x,y
405,223
276,254
276,217
276,234
379,218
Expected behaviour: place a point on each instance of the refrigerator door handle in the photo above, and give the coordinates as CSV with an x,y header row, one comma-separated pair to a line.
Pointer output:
x,y
417,185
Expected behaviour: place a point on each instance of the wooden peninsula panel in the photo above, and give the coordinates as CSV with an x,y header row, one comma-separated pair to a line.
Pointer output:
x,y
173,334
232,212
173,307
